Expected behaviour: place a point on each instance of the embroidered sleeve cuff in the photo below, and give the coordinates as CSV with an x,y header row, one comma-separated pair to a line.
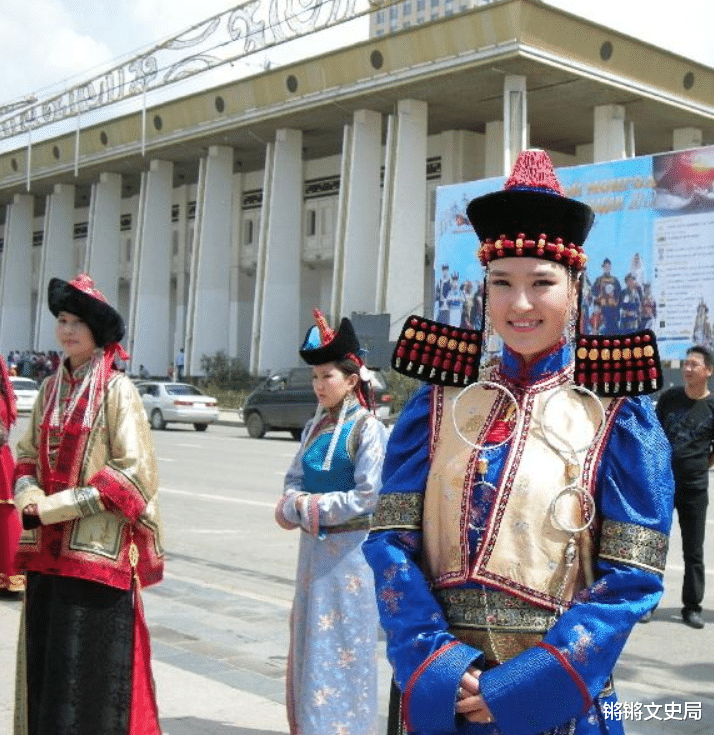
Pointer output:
x,y
634,545
27,491
118,494
75,502
516,692
430,696
398,510
309,509
286,515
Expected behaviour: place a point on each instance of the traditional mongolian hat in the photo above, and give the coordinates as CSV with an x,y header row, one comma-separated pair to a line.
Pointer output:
x,y
322,344
531,217
81,297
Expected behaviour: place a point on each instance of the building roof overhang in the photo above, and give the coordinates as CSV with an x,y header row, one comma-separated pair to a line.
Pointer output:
x,y
456,65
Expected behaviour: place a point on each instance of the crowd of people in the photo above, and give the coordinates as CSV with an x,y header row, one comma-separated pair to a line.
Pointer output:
x,y
500,536
32,364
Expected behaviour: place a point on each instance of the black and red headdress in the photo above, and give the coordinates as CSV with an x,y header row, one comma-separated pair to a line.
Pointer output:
x,y
531,217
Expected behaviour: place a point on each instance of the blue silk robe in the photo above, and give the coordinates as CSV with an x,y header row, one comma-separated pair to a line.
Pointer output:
x,y
332,666
560,683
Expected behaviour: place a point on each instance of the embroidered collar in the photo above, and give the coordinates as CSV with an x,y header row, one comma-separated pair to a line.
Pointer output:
x,y
552,362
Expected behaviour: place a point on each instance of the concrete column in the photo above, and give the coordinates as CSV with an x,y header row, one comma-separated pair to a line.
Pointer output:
x,y
610,139
104,236
16,276
684,138
493,159
183,267
56,259
462,156
234,317
354,274
276,327
515,118
148,328
400,277
207,317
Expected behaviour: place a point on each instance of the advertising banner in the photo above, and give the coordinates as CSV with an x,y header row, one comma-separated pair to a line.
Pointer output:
x,y
650,251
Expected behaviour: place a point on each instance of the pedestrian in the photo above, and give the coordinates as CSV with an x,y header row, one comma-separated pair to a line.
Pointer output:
x,y
606,296
687,415
86,485
11,582
522,524
143,372
179,363
330,493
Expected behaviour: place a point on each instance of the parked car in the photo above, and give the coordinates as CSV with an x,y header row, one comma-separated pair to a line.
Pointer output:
x,y
168,403
26,391
286,401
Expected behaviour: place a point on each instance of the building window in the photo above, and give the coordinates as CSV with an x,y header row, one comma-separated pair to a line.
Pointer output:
x,y
407,8
435,3
420,19
421,5
311,223
406,24
393,12
380,16
249,232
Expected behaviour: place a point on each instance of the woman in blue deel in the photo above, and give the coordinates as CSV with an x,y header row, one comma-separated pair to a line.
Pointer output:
x,y
330,493
522,525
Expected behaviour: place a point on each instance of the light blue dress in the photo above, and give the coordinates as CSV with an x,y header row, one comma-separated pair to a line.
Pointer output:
x,y
332,666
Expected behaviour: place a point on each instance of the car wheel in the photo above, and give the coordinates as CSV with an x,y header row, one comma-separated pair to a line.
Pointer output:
x,y
255,425
157,420
200,427
297,434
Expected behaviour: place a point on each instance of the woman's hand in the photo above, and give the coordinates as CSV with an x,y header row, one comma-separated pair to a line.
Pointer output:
x,y
31,517
469,701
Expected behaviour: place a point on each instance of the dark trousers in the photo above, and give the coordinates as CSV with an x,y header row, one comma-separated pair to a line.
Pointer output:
x,y
691,504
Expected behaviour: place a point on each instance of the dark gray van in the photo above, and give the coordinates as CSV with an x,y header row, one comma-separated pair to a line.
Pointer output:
x,y
286,401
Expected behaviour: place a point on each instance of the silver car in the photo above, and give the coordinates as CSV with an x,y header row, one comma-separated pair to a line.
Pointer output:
x,y
26,391
167,403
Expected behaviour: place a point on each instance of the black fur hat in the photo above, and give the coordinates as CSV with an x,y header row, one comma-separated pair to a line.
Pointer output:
x,y
81,298
322,344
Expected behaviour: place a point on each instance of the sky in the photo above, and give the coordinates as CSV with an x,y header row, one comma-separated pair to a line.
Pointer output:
x,y
52,44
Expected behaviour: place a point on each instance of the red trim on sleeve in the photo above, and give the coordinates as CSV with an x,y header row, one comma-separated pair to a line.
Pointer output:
x,y
24,469
412,681
571,671
118,493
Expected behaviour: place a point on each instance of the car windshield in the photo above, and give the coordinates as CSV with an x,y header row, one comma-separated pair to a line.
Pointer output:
x,y
24,384
182,390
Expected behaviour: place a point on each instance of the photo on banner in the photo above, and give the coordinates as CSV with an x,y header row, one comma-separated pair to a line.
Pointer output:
x,y
650,251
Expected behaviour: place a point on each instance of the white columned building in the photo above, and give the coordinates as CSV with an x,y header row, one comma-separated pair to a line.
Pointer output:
x,y
209,295
354,274
400,279
276,314
56,259
148,332
102,255
16,278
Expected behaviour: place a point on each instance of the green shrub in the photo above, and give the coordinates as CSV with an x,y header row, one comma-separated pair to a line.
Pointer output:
x,y
401,388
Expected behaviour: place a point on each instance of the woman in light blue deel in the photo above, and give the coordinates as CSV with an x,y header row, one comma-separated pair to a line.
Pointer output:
x,y
330,492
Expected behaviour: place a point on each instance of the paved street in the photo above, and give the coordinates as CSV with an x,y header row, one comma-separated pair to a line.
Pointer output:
x,y
219,620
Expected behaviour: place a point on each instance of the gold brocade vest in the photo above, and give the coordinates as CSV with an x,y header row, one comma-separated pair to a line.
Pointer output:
x,y
522,550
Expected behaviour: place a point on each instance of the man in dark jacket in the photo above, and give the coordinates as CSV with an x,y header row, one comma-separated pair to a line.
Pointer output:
x,y
687,416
